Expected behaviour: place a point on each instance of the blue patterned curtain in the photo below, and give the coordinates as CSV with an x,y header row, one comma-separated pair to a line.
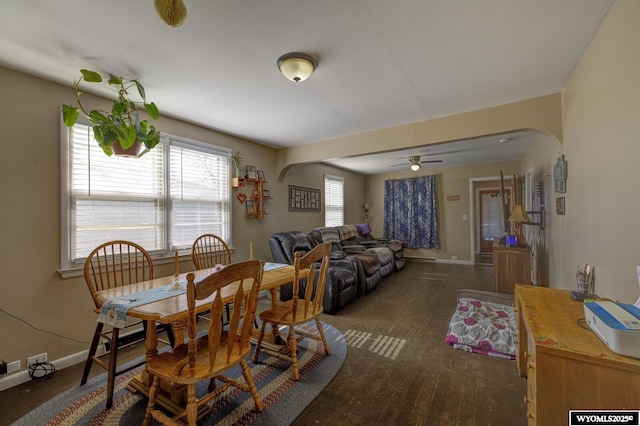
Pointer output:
x,y
411,211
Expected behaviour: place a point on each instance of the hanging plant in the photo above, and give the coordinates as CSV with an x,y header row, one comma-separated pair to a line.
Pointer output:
x,y
120,129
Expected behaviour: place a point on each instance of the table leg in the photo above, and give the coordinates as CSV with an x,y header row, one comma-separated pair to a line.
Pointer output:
x,y
178,330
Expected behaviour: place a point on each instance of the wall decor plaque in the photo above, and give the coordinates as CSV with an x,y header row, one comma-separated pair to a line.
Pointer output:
x,y
303,199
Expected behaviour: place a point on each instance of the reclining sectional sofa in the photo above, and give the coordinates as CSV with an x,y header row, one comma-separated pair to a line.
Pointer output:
x,y
358,260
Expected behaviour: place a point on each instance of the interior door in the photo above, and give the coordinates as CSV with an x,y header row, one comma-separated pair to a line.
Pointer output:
x,y
491,217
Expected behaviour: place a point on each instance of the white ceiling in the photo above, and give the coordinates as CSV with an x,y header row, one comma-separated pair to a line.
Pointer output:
x,y
381,63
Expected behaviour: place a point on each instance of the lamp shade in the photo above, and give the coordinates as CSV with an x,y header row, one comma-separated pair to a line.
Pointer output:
x,y
518,214
296,66
415,167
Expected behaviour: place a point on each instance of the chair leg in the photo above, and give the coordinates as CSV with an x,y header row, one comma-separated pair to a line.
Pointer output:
x,y
293,347
113,358
192,405
152,400
252,387
327,349
92,352
256,352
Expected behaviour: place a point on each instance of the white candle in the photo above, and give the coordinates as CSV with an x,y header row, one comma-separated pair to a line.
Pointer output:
x,y
250,250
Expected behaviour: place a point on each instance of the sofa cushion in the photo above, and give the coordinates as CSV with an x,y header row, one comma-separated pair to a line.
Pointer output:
x,y
384,254
363,228
347,231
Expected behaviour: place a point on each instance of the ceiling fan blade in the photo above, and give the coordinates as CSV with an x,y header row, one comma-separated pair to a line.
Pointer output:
x,y
431,161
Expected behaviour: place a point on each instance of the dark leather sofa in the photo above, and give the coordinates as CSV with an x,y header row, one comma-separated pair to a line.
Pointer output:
x,y
368,240
368,262
342,279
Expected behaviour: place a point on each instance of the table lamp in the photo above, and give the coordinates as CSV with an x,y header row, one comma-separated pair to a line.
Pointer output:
x,y
519,215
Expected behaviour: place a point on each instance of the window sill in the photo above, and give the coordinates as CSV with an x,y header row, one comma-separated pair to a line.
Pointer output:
x,y
78,271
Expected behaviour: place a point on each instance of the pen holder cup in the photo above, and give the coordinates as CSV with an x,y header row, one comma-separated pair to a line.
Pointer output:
x,y
585,283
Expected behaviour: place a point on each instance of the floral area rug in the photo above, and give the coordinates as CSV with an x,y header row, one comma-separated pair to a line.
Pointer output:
x,y
483,327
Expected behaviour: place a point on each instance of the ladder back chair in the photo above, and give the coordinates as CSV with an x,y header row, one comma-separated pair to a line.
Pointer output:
x,y
222,347
209,250
114,264
305,306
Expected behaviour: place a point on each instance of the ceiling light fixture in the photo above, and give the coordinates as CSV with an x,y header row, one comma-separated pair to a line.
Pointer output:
x,y
415,167
172,12
296,66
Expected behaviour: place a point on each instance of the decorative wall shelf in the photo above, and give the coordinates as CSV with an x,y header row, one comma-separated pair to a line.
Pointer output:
x,y
254,204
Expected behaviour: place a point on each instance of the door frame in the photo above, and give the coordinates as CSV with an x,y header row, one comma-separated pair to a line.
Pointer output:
x,y
473,209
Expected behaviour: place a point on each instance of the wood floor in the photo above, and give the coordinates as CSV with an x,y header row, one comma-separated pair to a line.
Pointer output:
x,y
398,369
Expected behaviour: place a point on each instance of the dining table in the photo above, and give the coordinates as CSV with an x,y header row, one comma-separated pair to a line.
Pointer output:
x,y
173,310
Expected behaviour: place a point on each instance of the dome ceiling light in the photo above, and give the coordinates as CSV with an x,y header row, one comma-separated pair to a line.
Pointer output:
x,y
296,66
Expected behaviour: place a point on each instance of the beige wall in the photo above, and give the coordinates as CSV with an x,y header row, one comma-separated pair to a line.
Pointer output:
x,y
454,231
599,117
31,289
540,159
601,114
541,113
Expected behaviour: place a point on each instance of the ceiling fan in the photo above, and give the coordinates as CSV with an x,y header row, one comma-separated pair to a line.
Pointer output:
x,y
414,162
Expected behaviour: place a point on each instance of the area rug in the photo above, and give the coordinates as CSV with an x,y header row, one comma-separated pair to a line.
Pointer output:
x,y
284,398
483,327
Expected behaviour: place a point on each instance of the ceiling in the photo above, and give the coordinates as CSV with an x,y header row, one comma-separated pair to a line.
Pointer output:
x,y
381,63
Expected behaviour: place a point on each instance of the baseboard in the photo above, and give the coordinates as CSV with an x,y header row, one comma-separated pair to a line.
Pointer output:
x,y
433,259
419,259
455,262
22,376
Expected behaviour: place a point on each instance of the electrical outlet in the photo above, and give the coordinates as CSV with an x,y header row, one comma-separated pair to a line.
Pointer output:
x,y
14,366
37,359
454,257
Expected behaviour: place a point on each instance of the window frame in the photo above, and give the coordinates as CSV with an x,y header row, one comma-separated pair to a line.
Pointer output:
x,y
70,266
327,199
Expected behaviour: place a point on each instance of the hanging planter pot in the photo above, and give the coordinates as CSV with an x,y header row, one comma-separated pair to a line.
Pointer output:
x,y
122,122
132,152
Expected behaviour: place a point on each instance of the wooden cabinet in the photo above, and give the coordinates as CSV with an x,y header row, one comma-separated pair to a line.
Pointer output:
x,y
567,366
511,266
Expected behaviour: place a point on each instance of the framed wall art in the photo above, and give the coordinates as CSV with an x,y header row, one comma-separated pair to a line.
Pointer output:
x,y
560,206
250,207
303,199
251,172
560,175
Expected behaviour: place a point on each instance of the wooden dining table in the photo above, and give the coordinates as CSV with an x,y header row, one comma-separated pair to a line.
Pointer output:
x,y
174,311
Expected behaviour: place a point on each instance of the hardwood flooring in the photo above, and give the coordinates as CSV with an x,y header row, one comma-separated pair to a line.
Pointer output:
x,y
398,369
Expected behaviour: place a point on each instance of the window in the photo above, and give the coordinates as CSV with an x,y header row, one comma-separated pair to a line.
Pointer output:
x,y
163,200
333,200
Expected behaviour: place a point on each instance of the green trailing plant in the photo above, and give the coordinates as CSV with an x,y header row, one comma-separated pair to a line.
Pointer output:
x,y
122,124
237,162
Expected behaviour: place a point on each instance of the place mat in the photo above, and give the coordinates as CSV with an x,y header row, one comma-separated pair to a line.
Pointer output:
x,y
268,266
114,311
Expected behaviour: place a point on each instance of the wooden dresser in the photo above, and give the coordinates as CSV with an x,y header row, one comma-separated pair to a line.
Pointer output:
x,y
511,266
567,366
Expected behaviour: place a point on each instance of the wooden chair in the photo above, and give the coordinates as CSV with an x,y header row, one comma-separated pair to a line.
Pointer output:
x,y
221,348
114,264
209,250
306,305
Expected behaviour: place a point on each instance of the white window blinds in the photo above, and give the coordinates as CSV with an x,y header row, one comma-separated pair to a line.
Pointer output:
x,y
162,200
333,200
199,194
